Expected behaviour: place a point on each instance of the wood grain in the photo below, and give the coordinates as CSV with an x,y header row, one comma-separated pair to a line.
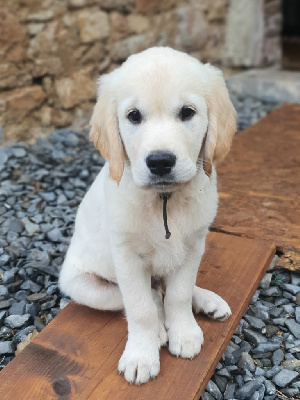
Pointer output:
x,y
259,181
76,355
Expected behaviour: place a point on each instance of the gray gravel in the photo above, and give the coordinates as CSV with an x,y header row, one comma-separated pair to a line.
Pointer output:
x,y
41,187
262,360
252,109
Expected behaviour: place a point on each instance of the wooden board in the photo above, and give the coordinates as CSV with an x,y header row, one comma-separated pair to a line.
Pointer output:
x,y
259,181
76,355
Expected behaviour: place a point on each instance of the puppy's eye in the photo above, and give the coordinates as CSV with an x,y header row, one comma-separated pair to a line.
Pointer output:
x,y
186,113
135,116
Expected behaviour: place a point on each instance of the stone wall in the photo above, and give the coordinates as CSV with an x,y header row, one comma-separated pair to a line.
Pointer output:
x,y
51,52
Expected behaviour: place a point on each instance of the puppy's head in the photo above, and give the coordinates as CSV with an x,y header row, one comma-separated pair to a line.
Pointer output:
x,y
162,112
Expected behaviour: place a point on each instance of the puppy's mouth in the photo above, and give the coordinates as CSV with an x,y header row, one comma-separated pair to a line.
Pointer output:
x,y
164,183
163,186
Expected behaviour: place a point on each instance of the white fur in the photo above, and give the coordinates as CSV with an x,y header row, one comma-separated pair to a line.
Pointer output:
x,y
119,231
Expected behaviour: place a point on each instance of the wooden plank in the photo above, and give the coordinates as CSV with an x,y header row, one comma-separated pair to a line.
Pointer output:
x,y
76,355
259,181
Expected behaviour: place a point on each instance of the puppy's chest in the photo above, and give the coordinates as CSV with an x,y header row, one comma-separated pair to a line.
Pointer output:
x,y
165,255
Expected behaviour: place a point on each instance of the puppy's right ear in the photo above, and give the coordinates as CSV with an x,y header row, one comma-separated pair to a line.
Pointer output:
x,y
105,130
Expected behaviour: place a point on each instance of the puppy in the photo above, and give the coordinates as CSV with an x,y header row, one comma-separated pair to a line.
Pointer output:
x,y
162,120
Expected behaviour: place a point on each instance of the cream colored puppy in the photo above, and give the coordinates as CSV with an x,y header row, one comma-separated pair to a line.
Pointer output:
x,y
161,121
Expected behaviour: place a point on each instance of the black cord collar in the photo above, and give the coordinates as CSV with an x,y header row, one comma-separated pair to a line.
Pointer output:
x,y
165,197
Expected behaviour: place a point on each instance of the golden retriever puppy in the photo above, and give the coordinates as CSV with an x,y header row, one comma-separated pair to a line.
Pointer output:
x,y
162,120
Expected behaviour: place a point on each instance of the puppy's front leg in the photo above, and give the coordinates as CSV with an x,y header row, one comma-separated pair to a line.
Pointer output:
x,y
140,359
185,335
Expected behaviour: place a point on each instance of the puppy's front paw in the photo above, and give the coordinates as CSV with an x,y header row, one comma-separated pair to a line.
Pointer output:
x,y
211,304
185,340
139,363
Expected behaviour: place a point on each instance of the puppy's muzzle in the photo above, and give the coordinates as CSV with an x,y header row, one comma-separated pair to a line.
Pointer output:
x,y
160,163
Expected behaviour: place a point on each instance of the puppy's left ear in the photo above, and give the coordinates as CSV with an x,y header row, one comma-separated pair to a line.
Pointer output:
x,y
104,127
221,119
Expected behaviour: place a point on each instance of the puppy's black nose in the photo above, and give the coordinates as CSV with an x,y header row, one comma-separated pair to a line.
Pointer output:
x,y
160,163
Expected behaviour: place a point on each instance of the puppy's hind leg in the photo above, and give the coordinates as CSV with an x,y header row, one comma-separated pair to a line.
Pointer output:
x,y
90,290
210,303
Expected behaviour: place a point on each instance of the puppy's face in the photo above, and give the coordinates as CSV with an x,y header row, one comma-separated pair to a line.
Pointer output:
x,y
162,123
159,110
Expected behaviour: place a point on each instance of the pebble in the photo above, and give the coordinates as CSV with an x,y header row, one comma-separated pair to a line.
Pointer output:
x,y
213,390
16,321
291,392
9,276
4,259
17,308
207,396
263,314
64,302
266,347
30,227
16,225
7,347
255,396
271,330
221,382
4,304
32,309
272,291
32,286
295,279
255,323
279,321
278,357
294,328
291,364
297,315
5,333
224,372
289,309
38,323
19,152
284,377
229,392
248,389
2,316
270,387
246,362
259,372
289,296
3,292
254,337
266,281
37,297
54,235
48,304
48,196
294,289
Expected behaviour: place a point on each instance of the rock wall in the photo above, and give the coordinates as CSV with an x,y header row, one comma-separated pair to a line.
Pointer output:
x,y
51,52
